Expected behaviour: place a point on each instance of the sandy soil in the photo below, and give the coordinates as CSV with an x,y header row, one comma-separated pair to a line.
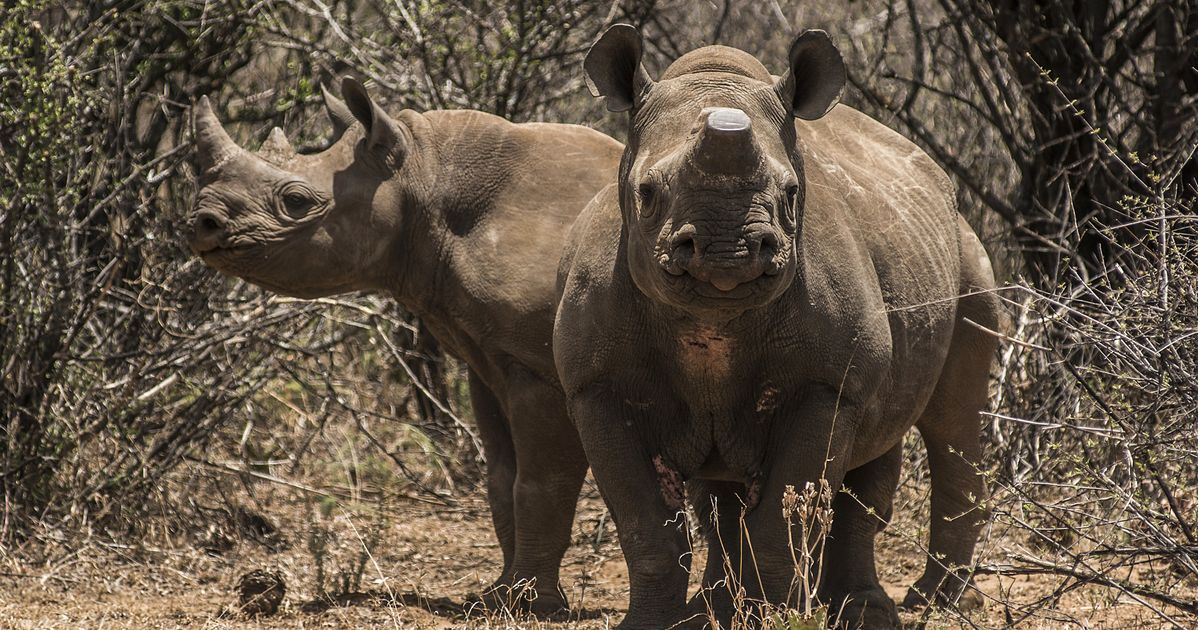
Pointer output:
x,y
425,562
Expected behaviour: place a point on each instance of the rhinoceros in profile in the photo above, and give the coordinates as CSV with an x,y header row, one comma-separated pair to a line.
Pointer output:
x,y
773,291
461,216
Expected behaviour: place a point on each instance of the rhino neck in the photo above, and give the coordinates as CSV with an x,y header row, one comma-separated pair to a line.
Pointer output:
x,y
466,163
407,266
414,269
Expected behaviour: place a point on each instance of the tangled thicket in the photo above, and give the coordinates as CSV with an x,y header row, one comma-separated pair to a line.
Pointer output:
x,y
1075,128
1094,444
1071,129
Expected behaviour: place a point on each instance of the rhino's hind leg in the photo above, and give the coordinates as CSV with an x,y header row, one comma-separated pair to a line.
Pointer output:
x,y
958,509
850,589
951,427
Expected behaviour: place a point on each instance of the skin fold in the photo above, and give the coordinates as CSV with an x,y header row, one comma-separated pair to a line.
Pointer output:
x,y
774,289
460,215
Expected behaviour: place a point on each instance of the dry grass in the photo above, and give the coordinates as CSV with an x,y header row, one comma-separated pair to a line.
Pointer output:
x,y
419,561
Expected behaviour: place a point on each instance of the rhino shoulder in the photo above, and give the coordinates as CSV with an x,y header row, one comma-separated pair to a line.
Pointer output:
x,y
590,251
596,304
533,149
848,138
577,160
578,136
881,212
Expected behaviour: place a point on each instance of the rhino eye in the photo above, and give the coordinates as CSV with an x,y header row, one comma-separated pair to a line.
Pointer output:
x,y
647,194
792,200
297,204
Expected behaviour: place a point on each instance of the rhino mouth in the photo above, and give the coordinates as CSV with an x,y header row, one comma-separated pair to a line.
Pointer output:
x,y
690,288
236,259
739,292
225,253
240,263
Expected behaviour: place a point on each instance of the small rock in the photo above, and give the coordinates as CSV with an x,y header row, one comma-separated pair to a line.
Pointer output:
x,y
261,592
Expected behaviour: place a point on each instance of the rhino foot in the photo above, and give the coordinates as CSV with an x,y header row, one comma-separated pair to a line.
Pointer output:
x,y
950,591
523,596
685,623
708,604
865,610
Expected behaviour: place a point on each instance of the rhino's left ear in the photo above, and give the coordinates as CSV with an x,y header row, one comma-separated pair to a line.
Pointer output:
x,y
816,77
384,136
613,68
338,112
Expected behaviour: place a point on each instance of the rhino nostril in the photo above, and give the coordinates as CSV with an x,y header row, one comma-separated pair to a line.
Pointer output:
x,y
207,231
682,250
208,224
769,245
681,257
769,251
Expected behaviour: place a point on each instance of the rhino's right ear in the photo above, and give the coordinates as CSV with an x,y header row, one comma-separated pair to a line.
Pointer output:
x,y
338,112
613,68
816,77
384,136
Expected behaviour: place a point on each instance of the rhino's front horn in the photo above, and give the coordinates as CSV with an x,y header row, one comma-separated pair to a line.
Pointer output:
x,y
276,148
725,145
213,145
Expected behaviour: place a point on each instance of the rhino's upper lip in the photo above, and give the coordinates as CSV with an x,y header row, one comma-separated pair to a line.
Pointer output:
x,y
687,283
739,292
227,248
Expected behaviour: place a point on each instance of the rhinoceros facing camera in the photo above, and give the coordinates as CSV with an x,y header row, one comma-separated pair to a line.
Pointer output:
x,y
774,292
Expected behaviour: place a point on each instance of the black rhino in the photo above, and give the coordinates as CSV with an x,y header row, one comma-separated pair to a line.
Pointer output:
x,y
774,290
460,215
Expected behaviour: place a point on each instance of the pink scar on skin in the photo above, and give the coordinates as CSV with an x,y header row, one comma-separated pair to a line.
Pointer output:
x,y
753,493
673,488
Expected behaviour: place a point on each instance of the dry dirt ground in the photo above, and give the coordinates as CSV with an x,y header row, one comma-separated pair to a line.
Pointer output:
x,y
425,561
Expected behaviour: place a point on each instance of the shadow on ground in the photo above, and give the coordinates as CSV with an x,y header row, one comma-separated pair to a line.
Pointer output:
x,y
470,608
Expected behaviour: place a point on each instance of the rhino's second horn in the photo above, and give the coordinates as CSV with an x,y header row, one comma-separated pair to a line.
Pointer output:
x,y
277,148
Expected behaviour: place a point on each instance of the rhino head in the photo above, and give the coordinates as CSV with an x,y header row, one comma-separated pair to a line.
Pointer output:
x,y
711,182
305,225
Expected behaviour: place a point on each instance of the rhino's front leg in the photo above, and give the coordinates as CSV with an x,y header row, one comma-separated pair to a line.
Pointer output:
x,y
652,533
550,468
720,507
810,441
495,431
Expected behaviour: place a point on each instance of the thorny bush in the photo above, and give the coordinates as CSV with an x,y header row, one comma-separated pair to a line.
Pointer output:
x,y
1095,446
121,356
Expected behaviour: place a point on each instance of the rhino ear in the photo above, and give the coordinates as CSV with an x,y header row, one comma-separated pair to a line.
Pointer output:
x,y
384,136
816,77
338,112
613,68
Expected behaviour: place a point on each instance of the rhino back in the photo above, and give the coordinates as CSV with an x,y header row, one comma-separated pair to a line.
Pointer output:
x,y
892,193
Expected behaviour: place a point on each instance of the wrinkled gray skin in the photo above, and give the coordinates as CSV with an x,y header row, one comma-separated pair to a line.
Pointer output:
x,y
461,216
773,292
